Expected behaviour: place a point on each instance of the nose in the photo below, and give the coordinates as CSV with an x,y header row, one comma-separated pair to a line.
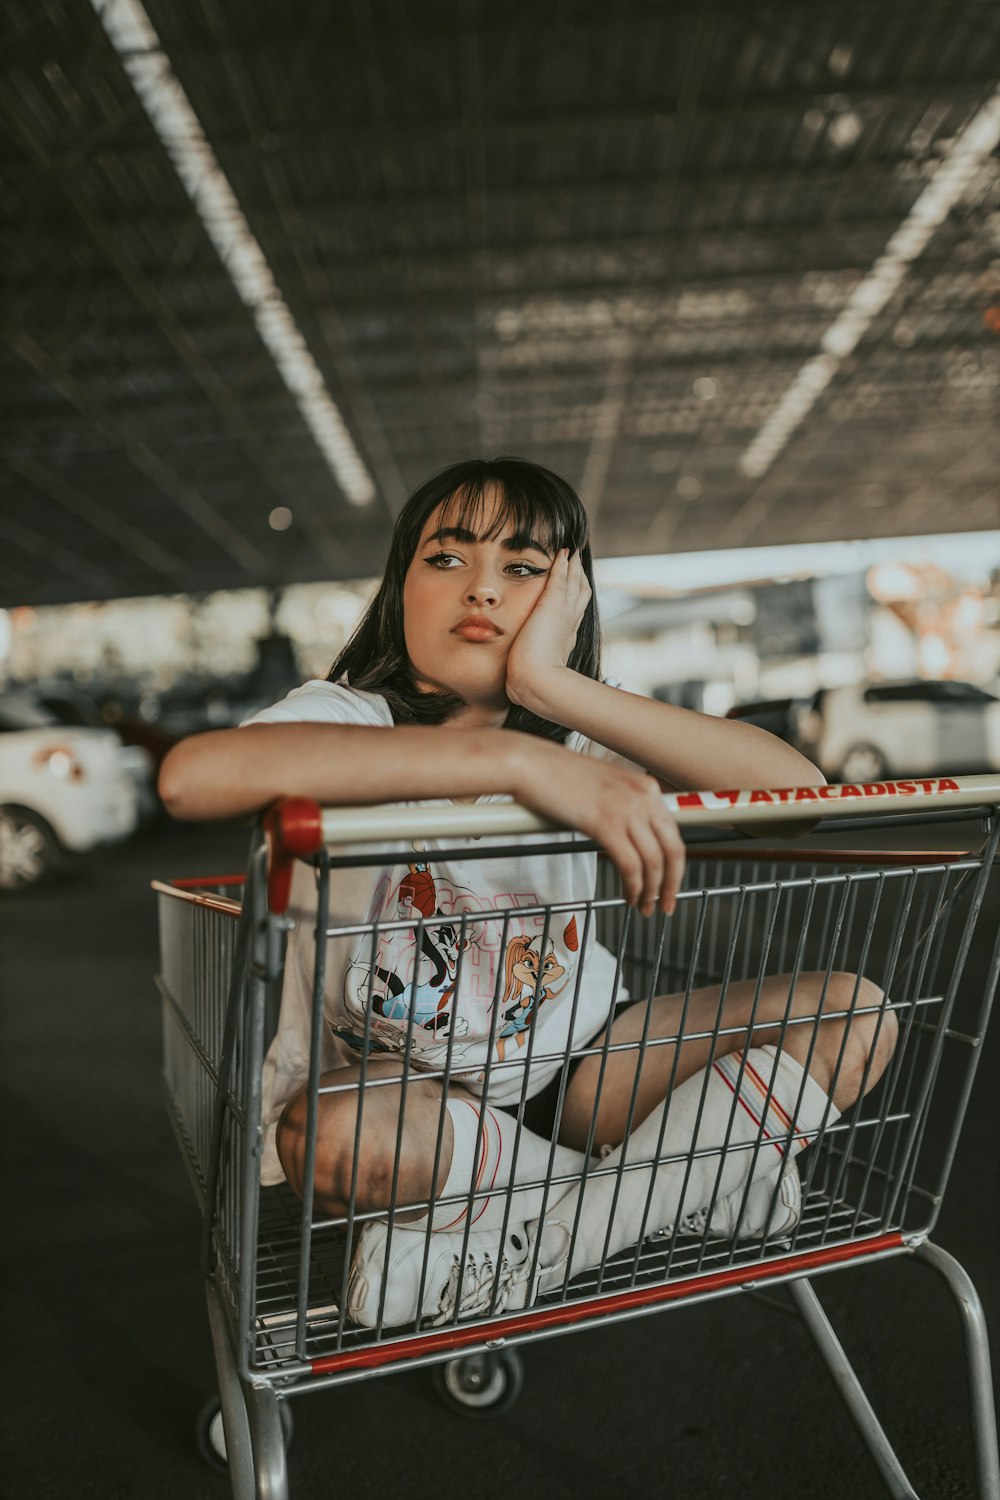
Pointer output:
x,y
482,590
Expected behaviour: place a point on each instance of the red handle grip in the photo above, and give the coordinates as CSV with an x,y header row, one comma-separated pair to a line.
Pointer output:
x,y
293,828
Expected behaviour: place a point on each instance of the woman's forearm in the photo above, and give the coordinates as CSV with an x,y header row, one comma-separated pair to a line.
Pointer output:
x,y
229,773
683,749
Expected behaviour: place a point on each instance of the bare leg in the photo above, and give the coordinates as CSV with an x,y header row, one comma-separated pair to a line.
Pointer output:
x,y
706,1121
381,1129
489,1169
700,1046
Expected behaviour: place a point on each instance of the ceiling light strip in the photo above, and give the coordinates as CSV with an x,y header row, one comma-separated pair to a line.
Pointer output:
x,y
869,297
132,35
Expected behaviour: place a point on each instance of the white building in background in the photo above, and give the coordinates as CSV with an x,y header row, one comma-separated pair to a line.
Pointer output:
x,y
688,628
153,643
715,647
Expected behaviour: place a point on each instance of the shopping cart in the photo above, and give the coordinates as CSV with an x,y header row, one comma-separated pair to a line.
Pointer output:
x,y
277,1268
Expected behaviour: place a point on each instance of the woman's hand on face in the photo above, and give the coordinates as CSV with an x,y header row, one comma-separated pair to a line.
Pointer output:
x,y
620,809
545,640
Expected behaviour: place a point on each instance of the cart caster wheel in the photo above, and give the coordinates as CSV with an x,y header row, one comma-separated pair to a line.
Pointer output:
x,y
481,1384
210,1434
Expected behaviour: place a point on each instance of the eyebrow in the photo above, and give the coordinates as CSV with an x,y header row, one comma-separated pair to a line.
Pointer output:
x,y
516,542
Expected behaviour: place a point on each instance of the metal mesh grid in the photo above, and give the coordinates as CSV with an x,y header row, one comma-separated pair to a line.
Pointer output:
x,y
198,948
878,1169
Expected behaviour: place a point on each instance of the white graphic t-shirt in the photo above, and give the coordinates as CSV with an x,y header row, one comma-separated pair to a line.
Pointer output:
x,y
468,963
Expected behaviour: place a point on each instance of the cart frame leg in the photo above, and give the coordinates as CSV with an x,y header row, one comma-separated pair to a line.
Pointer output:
x,y
808,1306
268,1438
255,1438
235,1419
982,1409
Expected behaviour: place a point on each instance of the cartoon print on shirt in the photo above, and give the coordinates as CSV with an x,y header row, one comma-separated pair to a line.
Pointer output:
x,y
417,893
402,981
413,970
531,978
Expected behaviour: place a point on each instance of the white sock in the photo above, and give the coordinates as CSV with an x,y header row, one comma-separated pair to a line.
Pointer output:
x,y
762,1101
484,1160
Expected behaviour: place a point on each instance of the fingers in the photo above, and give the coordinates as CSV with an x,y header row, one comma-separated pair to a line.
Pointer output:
x,y
567,575
569,565
646,876
649,854
675,862
662,871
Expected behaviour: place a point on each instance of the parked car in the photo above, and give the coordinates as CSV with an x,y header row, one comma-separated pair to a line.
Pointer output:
x,y
62,789
106,713
876,729
144,745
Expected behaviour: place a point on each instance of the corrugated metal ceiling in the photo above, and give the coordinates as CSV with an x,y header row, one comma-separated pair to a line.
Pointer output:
x,y
605,237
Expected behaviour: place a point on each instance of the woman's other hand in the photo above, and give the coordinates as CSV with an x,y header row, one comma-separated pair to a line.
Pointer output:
x,y
545,640
620,809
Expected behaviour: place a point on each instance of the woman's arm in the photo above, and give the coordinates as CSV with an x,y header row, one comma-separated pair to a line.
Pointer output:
x,y
232,772
683,749
228,773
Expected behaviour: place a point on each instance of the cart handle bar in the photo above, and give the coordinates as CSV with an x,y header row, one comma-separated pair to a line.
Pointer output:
x,y
297,828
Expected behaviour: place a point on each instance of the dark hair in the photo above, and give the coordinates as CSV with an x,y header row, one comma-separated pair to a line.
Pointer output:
x,y
533,500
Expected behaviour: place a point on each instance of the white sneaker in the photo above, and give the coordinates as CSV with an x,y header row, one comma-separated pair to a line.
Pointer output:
x,y
766,1215
487,1261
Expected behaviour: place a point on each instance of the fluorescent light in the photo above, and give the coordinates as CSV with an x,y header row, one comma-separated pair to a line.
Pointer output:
x,y
132,35
968,555
871,294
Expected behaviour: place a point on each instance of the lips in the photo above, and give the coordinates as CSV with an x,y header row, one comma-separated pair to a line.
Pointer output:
x,y
477,628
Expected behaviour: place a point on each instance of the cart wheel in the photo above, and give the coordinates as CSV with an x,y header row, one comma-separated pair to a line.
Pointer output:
x,y
210,1434
481,1384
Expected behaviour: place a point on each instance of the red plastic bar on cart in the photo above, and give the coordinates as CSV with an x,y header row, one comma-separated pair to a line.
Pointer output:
x,y
294,830
563,1314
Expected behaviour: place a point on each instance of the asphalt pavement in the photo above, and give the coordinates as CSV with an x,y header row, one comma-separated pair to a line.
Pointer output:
x,y
106,1337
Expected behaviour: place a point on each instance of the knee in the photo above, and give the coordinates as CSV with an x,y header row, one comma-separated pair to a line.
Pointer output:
x,y
877,1031
334,1174
864,1050
291,1138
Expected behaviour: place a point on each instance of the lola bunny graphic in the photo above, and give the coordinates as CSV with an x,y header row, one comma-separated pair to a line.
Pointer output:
x,y
531,977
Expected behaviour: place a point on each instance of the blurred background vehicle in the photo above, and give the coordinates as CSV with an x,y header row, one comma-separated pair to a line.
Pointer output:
x,y
141,746
870,730
877,729
778,716
107,712
64,789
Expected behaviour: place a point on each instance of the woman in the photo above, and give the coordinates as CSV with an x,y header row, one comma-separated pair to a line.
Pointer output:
x,y
475,674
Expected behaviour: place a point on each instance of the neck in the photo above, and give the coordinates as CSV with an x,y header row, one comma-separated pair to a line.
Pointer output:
x,y
478,716
484,713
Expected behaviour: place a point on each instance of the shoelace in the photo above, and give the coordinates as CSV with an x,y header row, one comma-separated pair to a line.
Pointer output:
x,y
691,1224
472,1289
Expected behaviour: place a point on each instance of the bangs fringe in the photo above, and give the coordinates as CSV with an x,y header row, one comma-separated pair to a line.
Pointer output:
x,y
499,499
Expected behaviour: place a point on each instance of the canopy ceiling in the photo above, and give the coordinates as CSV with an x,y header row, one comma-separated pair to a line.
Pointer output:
x,y
607,237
